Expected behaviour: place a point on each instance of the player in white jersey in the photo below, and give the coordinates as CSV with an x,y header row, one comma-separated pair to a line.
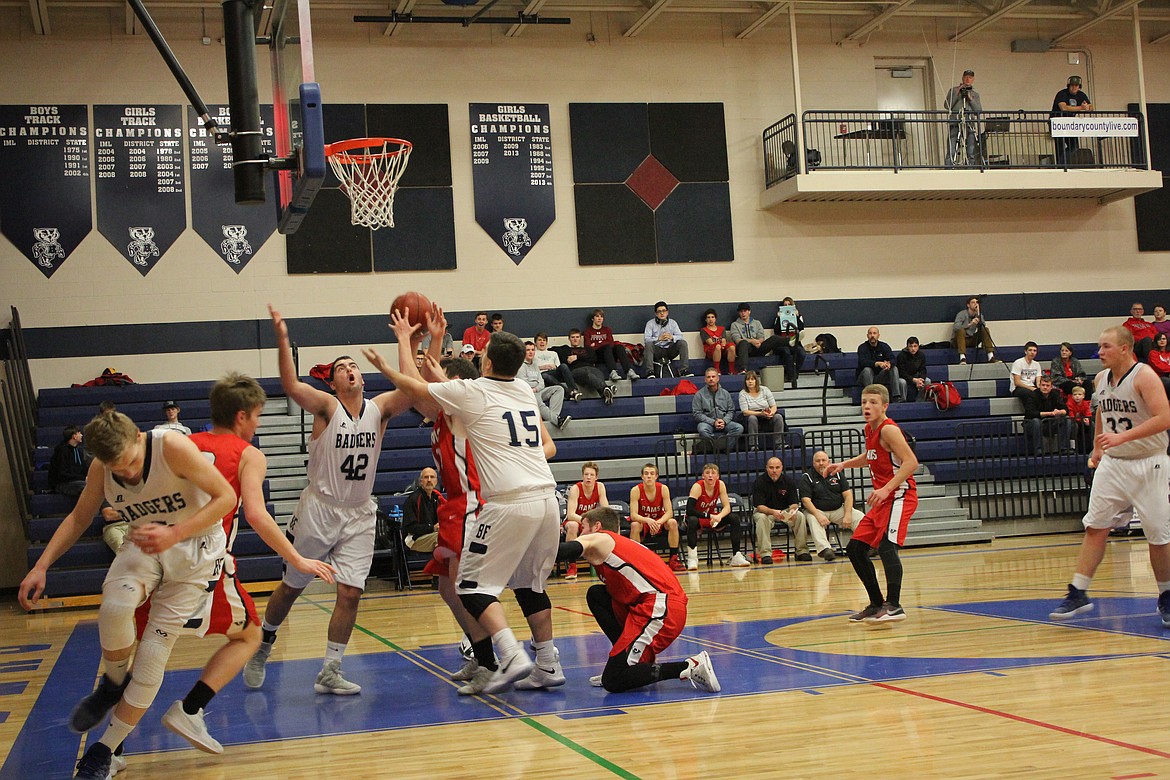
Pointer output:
x,y
513,541
335,517
174,500
1129,453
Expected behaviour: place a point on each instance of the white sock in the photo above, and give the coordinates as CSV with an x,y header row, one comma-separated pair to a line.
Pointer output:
x,y
116,670
1081,582
505,643
268,627
990,355
1163,587
116,733
546,652
334,651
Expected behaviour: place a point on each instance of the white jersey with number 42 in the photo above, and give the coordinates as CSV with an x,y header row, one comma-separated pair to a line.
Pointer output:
x,y
503,426
343,460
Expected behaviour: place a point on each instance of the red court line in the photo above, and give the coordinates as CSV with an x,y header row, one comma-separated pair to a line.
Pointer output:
x,y
1134,777
1029,721
575,611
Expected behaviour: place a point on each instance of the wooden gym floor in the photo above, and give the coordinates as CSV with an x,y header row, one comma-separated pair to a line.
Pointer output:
x,y
976,683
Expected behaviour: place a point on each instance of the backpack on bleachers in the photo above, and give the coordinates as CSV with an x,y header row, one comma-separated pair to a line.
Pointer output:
x,y
828,342
944,394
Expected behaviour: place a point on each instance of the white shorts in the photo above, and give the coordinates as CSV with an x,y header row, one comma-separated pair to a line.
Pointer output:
x,y
339,535
1140,484
179,581
510,545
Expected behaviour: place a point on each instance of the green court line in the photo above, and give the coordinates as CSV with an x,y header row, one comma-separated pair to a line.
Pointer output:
x,y
556,736
579,749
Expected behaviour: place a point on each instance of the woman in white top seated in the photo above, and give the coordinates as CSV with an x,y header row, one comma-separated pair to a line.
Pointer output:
x,y
758,406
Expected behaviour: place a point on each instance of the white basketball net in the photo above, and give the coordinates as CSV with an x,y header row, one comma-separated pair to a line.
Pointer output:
x,y
370,179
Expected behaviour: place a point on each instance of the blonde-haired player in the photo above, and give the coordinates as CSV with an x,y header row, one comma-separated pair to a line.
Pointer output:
x,y
583,496
651,514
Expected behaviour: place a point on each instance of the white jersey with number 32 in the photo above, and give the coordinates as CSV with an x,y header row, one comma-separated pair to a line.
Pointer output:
x,y
1121,408
343,460
503,426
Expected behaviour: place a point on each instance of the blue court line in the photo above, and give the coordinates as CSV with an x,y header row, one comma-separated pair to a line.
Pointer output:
x,y
9,667
4,716
24,649
45,747
13,688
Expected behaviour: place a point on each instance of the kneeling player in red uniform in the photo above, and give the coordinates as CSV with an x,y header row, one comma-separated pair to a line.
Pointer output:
x,y
640,607
894,498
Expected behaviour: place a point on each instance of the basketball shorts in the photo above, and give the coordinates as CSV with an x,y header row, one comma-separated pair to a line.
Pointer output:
x,y
226,610
662,532
339,535
888,520
1138,483
510,546
177,581
709,349
724,524
650,627
453,519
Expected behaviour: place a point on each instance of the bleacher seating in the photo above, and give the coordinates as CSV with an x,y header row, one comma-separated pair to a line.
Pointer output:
x,y
620,437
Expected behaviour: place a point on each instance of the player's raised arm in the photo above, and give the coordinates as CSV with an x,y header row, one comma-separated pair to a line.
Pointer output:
x,y
66,535
253,468
309,398
412,386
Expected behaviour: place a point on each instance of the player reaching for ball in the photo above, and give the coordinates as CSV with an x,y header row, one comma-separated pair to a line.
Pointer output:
x,y
334,519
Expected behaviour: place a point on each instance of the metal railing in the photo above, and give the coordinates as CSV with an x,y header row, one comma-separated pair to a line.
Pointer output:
x,y
1001,477
18,414
680,459
906,140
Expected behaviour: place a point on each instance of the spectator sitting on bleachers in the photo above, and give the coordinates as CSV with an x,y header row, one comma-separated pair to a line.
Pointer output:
x,y
1159,360
758,407
610,354
789,332
970,330
715,343
664,341
1048,416
420,512
1067,373
1080,415
1025,372
171,411
550,400
69,464
911,364
875,364
714,411
553,370
583,365
1143,332
708,506
477,336
446,346
651,514
1161,323
583,496
749,338
496,323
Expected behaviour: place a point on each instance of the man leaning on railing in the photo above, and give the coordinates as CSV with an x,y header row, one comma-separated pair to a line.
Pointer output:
x,y
965,106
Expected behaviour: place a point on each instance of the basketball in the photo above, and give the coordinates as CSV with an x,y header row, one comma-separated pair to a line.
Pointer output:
x,y
417,303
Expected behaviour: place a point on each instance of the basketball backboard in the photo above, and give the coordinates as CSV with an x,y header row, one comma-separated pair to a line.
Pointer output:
x,y
299,128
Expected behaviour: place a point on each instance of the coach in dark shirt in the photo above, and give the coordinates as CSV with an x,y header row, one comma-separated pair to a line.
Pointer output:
x,y
775,498
420,512
826,499
875,363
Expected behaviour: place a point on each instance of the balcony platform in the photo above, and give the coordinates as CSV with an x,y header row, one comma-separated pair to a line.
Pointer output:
x,y
1103,185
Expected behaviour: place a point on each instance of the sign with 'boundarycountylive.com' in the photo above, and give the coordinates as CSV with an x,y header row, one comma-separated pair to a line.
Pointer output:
x,y
1094,127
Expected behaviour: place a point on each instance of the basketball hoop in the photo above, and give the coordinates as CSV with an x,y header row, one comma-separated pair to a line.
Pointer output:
x,y
370,178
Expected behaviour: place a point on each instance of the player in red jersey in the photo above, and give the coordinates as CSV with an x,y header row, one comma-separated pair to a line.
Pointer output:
x,y
457,474
236,403
651,514
639,605
891,504
708,506
585,495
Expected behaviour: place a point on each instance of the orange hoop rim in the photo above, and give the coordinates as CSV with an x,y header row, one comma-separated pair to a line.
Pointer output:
x,y
341,149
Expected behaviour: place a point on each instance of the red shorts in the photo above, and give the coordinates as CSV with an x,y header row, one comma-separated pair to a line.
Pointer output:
x,y
724,524
644,635
663,531
888,520
709,349
450,543
229,609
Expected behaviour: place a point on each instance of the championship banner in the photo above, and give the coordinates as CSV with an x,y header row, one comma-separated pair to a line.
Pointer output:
x,y
1095,127
511,166
140,183
234,231
44,190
